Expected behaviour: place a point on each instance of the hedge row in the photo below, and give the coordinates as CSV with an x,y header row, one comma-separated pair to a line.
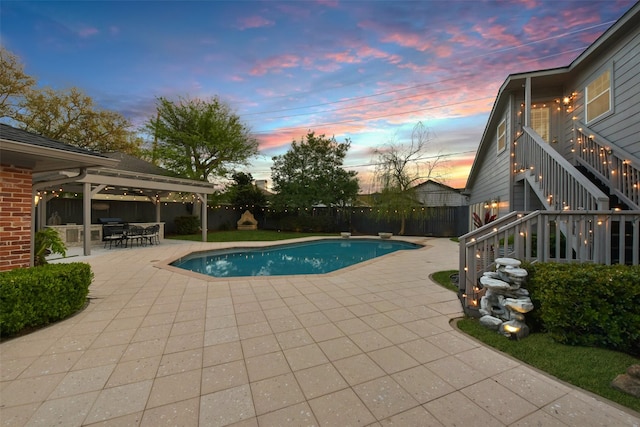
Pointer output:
x,y
37,296
187,224
587,304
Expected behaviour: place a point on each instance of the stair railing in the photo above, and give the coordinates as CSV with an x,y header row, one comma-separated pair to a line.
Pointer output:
x,y
558,184
602,237
612,165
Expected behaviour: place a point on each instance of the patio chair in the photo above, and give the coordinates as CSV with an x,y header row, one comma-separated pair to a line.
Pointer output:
x,y
113,234
152,234
135,233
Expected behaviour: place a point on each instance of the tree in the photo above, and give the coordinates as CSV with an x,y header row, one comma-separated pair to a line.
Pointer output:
x,y
311,173
72,117
14,83
243,193
200,140
65,115
399,168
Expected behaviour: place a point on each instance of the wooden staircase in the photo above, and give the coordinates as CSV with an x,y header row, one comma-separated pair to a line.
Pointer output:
x,y
577,224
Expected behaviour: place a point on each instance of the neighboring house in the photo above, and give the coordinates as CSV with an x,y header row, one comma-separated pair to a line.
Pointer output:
x,y
262,186
21,155
559,162
434,194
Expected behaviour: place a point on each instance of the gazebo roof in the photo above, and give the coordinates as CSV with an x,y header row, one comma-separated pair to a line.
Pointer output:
x,y
40,154
131,176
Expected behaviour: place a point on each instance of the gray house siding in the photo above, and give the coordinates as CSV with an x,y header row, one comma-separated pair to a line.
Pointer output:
x,y
494,173
622,125
618,51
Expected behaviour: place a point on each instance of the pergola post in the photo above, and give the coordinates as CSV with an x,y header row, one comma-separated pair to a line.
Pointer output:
x,y
86,218
203,216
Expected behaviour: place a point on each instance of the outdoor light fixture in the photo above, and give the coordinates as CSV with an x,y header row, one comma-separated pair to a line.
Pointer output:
x,y
511,328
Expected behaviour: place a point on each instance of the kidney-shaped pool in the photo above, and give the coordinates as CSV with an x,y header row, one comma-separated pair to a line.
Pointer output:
x,y
313,257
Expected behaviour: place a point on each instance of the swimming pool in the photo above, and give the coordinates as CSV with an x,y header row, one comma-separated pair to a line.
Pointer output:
x,y
314,257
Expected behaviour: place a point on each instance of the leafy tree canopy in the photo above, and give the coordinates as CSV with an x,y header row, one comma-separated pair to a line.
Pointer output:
x,y
14,83
243,192
65,115
311,173
199,139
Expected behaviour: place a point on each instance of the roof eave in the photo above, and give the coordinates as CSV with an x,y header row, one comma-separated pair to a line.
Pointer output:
x,y
73,158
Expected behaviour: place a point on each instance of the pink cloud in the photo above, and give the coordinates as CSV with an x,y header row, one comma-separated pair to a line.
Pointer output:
x,y
496,35
418,41
343,57
530,4
253,22
414,41
328,68
295,10
370,52
275,64
87,32
329,3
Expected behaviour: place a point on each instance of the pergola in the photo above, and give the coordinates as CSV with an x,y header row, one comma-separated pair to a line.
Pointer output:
x,y
52,164
92,182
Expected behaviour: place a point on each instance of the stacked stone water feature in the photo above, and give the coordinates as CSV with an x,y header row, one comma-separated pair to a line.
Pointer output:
x,y
505,302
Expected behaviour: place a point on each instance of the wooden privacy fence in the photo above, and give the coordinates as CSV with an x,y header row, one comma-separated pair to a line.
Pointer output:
x,y
445,221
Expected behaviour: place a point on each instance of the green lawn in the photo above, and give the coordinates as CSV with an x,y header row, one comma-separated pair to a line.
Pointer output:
x,y
248,236
589,368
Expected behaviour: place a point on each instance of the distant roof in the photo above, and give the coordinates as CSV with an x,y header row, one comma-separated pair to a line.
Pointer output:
x,y
439,184
28,150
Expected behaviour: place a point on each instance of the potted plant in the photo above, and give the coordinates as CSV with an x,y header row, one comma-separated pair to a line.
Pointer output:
x,y
47,241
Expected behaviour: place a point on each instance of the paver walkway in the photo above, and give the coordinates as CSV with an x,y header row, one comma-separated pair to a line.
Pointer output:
x,y
368,345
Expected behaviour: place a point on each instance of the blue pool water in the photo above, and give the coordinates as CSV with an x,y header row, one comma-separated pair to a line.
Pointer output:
x,y
316,257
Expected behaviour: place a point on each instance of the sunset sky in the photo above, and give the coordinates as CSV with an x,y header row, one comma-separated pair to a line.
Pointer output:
x,y
363,70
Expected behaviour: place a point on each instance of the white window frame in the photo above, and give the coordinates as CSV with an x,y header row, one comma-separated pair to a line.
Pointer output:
x,y
589,98
501,136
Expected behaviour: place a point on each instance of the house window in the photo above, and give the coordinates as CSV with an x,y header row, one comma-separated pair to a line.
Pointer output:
x,y
598,96
540,122
502,136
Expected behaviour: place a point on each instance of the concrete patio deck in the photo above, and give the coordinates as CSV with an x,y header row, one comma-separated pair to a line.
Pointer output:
x,y
367,345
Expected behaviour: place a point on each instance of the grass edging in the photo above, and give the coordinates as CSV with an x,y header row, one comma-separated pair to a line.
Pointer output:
x,y
589,368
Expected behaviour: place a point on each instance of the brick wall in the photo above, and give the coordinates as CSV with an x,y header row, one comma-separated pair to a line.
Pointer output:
x,y
15,217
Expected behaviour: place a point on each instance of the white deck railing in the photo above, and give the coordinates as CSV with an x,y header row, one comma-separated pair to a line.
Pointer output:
x,y
602,237
612,165
558,184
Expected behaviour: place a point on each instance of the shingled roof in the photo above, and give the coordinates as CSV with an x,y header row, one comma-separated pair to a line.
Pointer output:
x,y
134,164
23,149
10,133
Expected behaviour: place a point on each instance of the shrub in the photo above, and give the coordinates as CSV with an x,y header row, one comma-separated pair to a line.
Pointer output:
x,y
587,304
37,296
187,224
